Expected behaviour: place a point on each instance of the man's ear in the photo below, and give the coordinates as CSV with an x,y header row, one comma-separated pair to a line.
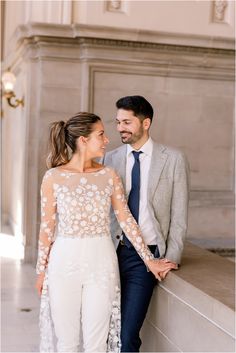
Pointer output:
x,y
146,123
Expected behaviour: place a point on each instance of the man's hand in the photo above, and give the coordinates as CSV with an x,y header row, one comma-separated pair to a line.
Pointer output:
x,y
164,273
162,266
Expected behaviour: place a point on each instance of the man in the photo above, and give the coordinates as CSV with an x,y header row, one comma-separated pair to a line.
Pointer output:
x,y
156,181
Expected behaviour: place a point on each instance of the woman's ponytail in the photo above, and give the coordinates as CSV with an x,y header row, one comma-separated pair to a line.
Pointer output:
x,y
63,136
58,150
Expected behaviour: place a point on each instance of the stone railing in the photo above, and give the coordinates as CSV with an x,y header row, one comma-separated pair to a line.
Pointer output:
x,y
193,309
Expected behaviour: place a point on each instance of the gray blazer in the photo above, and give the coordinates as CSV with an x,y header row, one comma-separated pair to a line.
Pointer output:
x,y
168,191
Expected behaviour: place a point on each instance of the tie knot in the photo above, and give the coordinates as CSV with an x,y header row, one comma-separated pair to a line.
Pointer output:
x,y
136,154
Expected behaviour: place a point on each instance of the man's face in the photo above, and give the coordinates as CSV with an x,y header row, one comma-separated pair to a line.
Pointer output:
x,y
129,126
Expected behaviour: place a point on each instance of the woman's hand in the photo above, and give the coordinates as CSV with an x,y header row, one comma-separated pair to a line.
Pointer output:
x,y
39,283
160,267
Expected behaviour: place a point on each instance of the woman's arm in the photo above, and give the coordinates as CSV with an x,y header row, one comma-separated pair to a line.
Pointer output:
x,y
47,226
132,230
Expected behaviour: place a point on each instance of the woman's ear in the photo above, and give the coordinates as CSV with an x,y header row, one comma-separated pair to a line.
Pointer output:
x,y
83,139
81,142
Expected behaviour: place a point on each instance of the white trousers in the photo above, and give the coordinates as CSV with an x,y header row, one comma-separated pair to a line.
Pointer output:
x,y
82,276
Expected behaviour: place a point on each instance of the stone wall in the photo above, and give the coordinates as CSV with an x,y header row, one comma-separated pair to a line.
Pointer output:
x,y
189,80
214,19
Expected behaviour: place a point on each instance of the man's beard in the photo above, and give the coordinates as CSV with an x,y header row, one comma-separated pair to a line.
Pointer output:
x,y
132,138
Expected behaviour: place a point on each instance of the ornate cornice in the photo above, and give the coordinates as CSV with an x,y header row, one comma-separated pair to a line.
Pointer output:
x,y
128,44
156,46
188,58
120,36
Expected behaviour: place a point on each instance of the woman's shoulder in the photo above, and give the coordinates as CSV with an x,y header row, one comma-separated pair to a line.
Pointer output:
x,y
102,168
99,168
51,173
111,171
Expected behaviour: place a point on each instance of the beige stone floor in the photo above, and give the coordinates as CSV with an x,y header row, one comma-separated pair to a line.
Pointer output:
x,y
19,300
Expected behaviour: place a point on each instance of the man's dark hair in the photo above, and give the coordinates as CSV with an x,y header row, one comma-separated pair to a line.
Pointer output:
x,y
139,105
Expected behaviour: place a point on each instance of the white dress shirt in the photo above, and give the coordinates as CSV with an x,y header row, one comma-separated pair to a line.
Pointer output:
x,y
145,221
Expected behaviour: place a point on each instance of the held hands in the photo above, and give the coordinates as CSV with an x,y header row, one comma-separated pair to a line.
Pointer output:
x,y
39,283
160,267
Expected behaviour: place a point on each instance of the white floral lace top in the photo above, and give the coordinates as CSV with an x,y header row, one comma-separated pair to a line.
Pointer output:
x,y
79,205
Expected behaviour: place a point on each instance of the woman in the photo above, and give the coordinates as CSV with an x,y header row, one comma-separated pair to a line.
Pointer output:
x,y
77,270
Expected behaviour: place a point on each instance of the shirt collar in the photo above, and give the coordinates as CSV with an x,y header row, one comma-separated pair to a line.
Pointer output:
x,y
146,148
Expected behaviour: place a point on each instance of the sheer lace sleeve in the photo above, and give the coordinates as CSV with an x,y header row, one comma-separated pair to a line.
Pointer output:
x,y
126,220
48,220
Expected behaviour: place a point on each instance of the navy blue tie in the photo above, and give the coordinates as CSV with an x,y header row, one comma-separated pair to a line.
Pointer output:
x,y
134,196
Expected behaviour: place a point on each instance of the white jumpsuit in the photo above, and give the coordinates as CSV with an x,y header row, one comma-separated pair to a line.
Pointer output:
x,y
81,292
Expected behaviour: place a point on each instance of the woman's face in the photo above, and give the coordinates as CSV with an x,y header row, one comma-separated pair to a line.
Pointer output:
x,y
96,142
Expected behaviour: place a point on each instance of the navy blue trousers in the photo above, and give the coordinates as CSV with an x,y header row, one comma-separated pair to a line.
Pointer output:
x,y
136,290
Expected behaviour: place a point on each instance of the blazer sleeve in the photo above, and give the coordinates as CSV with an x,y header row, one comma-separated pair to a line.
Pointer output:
x,y
179,210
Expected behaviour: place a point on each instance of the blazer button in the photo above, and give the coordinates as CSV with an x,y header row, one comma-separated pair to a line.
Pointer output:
x,y
117,237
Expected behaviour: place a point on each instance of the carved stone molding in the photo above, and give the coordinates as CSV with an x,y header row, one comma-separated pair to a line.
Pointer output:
x,y
115,6
162,47
186,61
130,44
76,31
94,44
219,10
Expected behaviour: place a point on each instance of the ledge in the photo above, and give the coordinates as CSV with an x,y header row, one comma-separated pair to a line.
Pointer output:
x,y
199,296
121,34
209,276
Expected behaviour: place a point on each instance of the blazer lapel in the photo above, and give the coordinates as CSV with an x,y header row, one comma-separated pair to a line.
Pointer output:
x,y
157,164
